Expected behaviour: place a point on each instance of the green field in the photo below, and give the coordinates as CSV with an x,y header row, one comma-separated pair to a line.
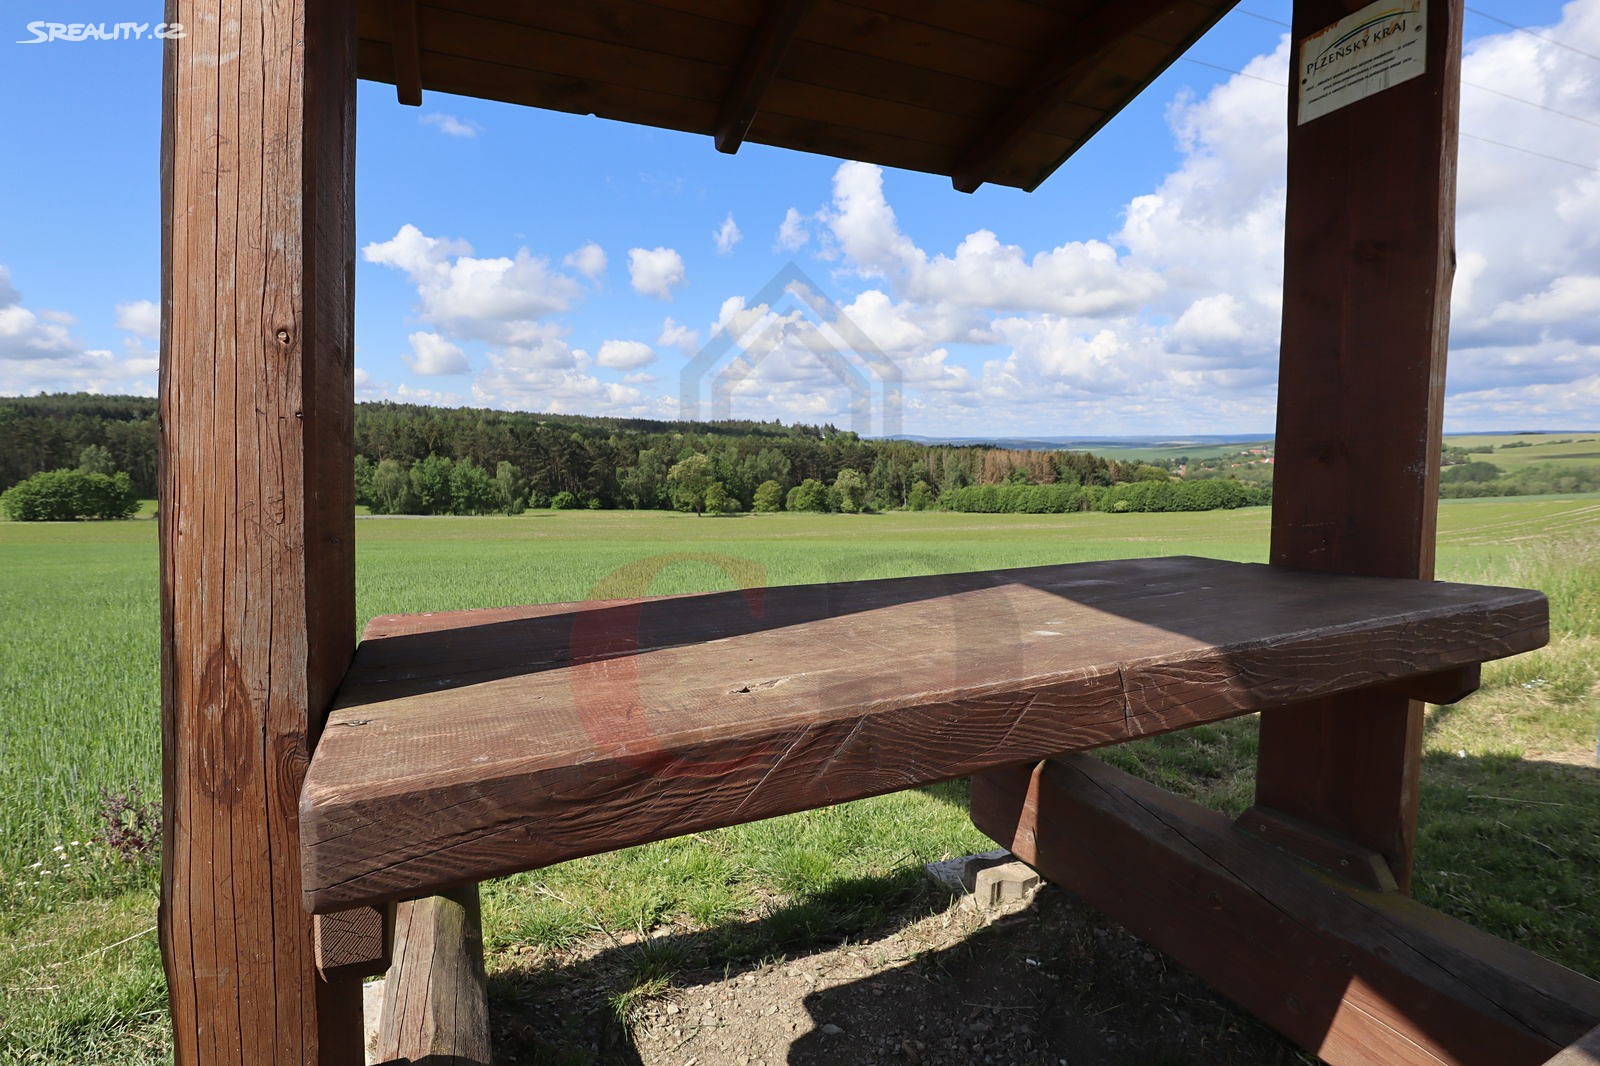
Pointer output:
x,y
1562,449
1511,827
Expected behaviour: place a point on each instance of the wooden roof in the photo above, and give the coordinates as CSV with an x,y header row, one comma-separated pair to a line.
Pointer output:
x,y
1001,91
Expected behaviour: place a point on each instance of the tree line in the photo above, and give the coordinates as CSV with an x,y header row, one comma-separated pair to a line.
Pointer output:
x,y
413,459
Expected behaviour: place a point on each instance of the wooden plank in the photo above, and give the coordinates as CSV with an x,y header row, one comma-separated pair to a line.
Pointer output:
x,y
257,526
1067,66
902,83
769,43
1360,978
452,74
1368,258
473,744
407,51
435,1000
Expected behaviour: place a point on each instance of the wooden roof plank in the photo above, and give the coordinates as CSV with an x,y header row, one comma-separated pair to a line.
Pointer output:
x,y
1069,65
769,42
942,86
469,745
403,42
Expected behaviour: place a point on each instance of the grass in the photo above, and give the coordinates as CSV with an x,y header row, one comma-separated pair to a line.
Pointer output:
x,y
1510,837
1562,449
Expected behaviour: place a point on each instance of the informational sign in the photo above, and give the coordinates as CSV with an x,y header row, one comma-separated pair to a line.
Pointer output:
x,y
1362,54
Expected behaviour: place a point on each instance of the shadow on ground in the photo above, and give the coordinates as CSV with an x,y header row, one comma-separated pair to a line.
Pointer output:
x,y
885,971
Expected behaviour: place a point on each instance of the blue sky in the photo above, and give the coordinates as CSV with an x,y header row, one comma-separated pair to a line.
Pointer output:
x,y
1135,292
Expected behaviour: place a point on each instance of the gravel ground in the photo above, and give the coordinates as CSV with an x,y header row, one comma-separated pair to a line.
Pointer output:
x,y
1047,981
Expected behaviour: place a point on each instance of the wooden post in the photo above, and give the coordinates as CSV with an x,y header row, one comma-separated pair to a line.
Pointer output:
x,y
1368,259
435,1000
257,519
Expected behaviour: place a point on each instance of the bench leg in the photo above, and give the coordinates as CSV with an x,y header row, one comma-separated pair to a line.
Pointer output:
x,y
435,1002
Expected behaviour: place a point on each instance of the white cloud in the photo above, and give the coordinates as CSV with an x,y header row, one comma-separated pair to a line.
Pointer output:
x,y
141,318
683,338
726,235
590,260
450,124
792,234
1076,278
654,272
433,355
559,390
624,355
38,353
483,299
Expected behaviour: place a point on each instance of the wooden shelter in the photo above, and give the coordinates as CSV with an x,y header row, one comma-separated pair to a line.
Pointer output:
x,y
459,747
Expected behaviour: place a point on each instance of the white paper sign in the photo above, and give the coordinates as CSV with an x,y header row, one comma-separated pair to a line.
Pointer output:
x,y
1381,45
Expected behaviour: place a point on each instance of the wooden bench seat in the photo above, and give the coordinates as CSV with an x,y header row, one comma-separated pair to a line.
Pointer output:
x,y
472,744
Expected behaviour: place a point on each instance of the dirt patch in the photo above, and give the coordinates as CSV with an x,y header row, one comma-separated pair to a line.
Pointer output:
x,y
1045,982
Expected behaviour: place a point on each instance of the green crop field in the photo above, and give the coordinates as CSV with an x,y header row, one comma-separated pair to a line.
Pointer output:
x,y
1510,836
1562,449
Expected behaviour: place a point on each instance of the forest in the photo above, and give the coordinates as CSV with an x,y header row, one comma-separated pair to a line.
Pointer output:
x,y
426,460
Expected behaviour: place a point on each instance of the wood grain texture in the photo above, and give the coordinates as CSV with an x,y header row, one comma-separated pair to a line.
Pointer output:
x,y
1360,978
1369,251
435,999
257,526
671,63
355,943
473,744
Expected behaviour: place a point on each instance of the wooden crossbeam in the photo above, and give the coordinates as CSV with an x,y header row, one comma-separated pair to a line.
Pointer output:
x,y
763,55
406,45
1071,61
1361,978
355,943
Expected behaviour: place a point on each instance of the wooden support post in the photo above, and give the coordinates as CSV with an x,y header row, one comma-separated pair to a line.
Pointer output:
x,y
257,519
1360,977
1368,258
435,1004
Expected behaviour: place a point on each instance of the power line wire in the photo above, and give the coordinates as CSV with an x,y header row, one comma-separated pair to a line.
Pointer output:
x,y
1473,136
1533,33
1534,103
1530,151
1479,85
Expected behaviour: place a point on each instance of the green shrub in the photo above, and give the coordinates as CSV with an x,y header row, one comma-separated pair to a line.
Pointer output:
x,y
563,501
769,497
66,495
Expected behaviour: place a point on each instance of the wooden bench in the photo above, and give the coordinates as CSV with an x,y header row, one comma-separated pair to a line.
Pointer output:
x,y
474,744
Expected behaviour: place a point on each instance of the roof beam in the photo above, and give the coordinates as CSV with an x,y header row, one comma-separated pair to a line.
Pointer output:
x,y
769,40
1071,61
407,48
